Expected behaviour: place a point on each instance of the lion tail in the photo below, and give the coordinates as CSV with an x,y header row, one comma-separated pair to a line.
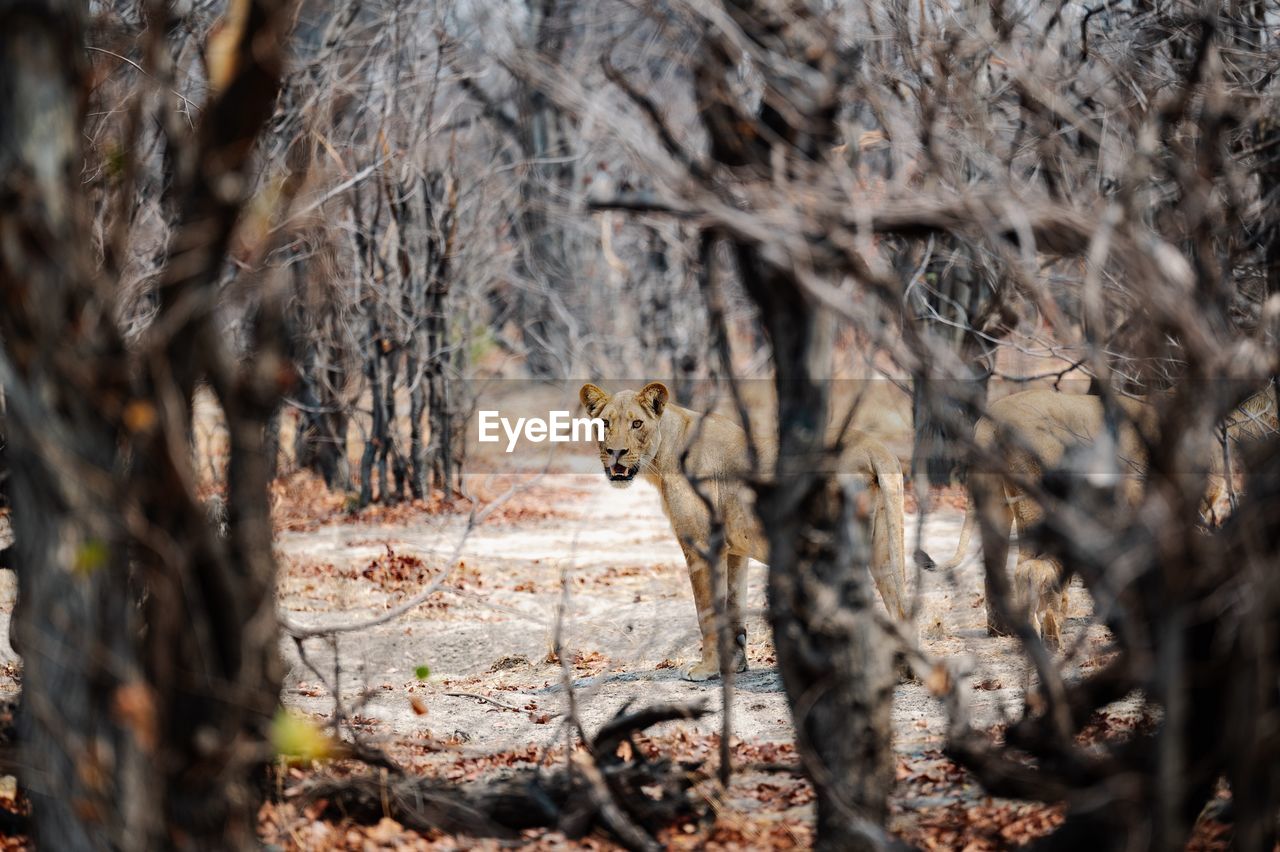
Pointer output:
x,y
889,478
966,535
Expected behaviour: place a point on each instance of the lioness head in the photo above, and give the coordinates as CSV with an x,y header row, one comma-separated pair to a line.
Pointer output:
x,y
631,434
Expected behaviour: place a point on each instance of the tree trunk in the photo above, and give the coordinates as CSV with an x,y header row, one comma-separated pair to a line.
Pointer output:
x,y
835,659
950,302
322,358
271,443
443,452
378,427
132,738
4,464
390,466
417,409
74,628
320,443
544,302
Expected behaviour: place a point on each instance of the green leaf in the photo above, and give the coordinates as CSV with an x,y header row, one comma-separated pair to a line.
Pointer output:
x,y
297,739
91,556
115,161
423,672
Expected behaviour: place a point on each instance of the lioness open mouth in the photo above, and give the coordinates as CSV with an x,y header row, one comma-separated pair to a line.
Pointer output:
x,y
621,473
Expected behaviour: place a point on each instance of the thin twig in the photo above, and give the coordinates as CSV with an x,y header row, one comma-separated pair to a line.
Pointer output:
x,y
495,702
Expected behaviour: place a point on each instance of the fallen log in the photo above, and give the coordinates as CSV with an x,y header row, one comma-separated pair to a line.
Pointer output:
x,y
630,798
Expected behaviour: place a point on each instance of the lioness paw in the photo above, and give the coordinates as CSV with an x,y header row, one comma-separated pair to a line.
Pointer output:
x,y
709,669
702,670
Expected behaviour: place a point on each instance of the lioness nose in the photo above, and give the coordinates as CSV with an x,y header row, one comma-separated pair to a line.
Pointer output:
x,y
615,455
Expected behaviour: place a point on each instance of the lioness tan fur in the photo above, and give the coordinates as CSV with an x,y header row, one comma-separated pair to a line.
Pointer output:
x,y
1044,426
646,436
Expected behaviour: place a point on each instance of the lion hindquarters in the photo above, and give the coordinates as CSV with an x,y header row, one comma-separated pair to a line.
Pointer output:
x,y
1042,596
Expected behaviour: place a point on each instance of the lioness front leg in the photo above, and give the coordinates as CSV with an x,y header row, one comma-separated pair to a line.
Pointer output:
x,y
700,576
737,602
704,599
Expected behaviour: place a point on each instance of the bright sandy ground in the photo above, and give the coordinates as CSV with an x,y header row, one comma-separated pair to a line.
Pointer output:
x,y
629,622
492,699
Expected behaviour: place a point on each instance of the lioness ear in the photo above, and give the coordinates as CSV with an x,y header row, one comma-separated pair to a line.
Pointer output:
x,y
593,398
653,396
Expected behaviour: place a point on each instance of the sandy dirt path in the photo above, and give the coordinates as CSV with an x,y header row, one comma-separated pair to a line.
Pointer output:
x,y
493,701
628,626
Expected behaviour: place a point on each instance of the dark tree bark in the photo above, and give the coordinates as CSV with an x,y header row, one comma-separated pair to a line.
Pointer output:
x,y
322,362
320,443
132,739
442,458
951,304
418,480
672,327
425,279
413,301
835,659
379,351
1267,140
1211,669
544,135
390,466
271,443
4,465
42,68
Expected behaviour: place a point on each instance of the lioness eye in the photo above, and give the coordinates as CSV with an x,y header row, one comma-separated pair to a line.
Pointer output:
x,y
636,424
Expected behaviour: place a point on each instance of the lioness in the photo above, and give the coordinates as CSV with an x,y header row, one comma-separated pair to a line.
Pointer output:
x,y
1045,426
646,436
